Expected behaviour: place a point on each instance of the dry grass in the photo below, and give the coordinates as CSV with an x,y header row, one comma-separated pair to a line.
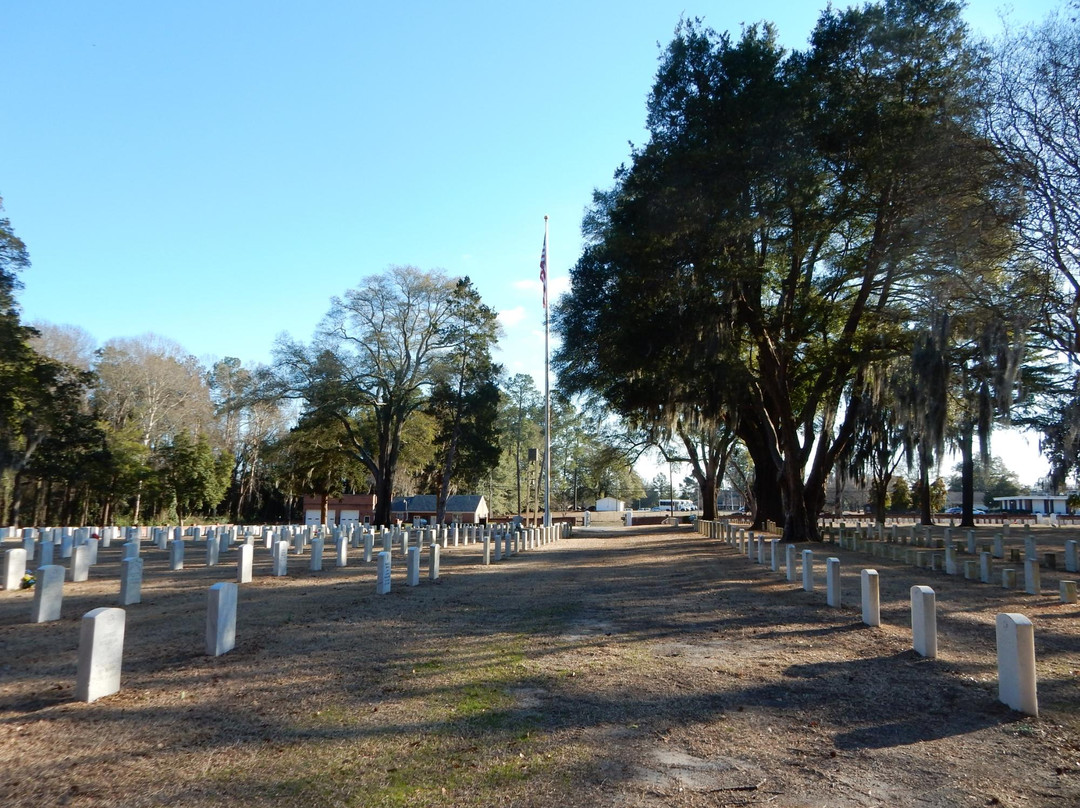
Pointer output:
x,y
621,667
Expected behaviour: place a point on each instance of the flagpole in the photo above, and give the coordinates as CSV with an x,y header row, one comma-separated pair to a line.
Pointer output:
x,y
547,390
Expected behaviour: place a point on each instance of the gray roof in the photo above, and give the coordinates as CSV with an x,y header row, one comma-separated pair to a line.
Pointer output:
x,y
425,503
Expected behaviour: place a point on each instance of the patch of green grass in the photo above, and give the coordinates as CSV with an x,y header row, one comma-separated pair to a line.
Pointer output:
x,y
502,774
427,667
476,699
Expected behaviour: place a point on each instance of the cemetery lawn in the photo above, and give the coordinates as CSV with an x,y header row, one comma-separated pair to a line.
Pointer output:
x,y
621,667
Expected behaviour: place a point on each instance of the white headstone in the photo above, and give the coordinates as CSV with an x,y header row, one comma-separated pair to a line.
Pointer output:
x,y
315,562
80,563
1071,556
871,598
213,550
433,562
382,573
1016,663
221,617
412,567
832,582
45,552
789,562
14,567
1031,552
280,563
951,567
1068,591
245,556
924,621
1032,580
808,570
101,653
176,554
48,593
131,570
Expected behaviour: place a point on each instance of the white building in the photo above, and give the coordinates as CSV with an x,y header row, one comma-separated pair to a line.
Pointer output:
x,y
1034,503
610,504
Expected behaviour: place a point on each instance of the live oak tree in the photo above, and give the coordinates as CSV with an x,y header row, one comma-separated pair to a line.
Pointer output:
x,y
754,257
371,365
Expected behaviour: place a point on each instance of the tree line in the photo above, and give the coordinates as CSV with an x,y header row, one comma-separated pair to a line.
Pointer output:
x,y
396,393
841,259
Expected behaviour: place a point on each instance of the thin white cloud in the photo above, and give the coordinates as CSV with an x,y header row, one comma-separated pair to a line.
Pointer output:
x,y
558,286
511,317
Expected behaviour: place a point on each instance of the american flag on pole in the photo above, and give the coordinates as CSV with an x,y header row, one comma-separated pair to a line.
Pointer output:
x,y
543,268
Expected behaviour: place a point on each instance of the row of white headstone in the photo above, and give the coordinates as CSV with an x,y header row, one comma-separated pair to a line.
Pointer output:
x,y
1015,632
81,546
102,630
976,569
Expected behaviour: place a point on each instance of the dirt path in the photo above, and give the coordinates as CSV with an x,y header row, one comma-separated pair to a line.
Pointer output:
x,y
620,667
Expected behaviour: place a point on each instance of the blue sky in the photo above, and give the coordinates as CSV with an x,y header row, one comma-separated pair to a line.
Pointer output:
x,y
214,172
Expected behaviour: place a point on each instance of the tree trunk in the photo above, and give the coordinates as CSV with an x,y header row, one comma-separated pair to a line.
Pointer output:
x,y
768,501
16,499
384,492
35,510
85,504
708,498
138,505
967,475
924,490
46,504
800,505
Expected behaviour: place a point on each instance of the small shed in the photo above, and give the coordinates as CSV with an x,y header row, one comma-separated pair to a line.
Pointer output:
x,y
610,504
461,508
